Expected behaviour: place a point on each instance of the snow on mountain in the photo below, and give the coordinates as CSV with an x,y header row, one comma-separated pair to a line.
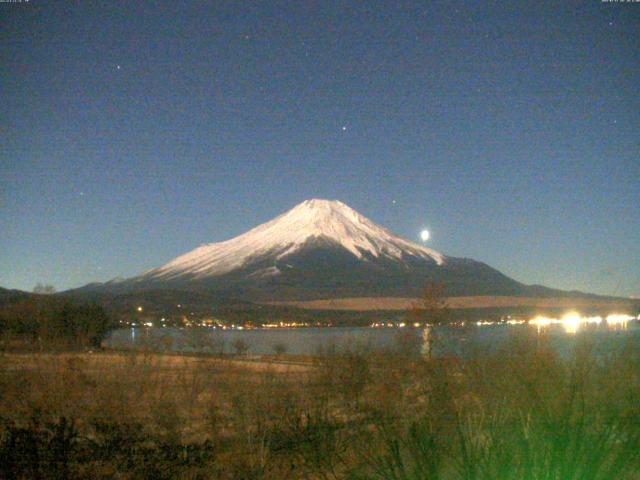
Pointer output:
x,y
313,219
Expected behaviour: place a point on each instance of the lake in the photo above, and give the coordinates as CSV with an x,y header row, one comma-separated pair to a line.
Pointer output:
x,y
459,341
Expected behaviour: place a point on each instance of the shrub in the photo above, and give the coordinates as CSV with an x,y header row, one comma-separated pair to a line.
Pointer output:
x,y
280,348
240,346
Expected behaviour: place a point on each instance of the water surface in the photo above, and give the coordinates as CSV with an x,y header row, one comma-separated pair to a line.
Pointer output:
x,y
459,341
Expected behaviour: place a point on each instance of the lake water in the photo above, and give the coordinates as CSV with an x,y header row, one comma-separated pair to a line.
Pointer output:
x,y
459,341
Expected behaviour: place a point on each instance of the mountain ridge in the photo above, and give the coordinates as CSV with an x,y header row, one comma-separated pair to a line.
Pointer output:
x,y
320,249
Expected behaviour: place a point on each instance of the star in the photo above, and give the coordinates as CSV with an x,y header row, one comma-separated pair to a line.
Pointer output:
x,y
118,67
344,128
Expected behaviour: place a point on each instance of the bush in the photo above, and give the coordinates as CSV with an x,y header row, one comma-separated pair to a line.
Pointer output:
x,y
280,348
37,450
240,346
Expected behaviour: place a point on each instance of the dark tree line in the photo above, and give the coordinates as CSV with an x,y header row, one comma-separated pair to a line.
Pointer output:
x,y
55,320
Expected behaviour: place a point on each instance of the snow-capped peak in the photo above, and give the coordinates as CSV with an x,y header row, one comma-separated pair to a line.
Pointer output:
x,y
327,219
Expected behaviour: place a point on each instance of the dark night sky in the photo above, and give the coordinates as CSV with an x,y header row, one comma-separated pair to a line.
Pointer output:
x,y
134,131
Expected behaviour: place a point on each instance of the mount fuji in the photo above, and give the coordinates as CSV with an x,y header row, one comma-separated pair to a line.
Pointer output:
x,y
320,249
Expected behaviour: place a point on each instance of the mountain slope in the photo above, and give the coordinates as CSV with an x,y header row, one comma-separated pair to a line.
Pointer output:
x,y
319,249
11,296
289,233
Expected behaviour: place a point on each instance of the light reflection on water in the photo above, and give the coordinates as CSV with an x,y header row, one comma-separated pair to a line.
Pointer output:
x,y
473,338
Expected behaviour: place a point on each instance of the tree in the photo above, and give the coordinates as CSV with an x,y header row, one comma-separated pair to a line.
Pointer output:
x,y
432,309
93,323
432,306
49,319
81,323
44,289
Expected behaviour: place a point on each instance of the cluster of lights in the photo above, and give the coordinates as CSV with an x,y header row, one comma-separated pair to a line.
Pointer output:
x,y
382,325
216,324
573,321
291,325
515,322
617,319
393,325
483,323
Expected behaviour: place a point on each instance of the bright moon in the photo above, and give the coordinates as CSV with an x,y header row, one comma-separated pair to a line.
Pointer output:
x,y
424,235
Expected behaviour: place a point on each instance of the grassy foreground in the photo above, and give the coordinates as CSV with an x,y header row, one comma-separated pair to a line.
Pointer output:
x,y
522,413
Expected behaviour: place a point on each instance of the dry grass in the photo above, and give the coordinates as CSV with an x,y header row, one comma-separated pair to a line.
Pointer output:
x,y
522,413
392,303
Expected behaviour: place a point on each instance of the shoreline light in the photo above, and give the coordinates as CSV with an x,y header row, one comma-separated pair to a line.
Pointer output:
x,y
573,321
618,318
618,321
